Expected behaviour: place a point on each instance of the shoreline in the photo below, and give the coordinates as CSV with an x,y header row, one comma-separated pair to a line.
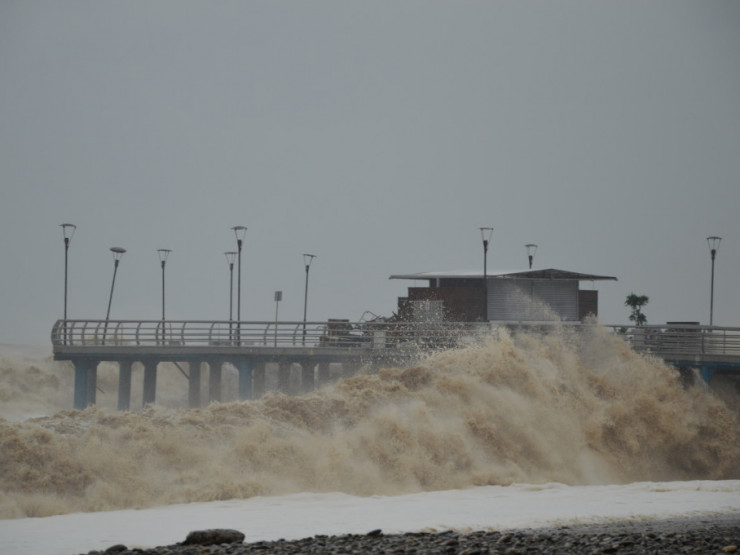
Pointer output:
x,y
718,533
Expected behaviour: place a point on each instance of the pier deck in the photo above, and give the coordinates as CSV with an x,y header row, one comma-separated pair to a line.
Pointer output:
x,y
314,346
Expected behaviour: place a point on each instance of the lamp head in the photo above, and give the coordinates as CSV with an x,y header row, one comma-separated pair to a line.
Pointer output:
x,y
531,249
230,257
486,233
713,243
68,230
117,253
163,254
240,231
307,259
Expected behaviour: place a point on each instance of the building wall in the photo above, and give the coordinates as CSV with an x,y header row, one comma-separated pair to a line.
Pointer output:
x,y
588,303
532,300
508,300
462,304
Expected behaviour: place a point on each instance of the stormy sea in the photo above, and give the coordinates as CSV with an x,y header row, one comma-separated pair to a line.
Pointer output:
x,y
572,413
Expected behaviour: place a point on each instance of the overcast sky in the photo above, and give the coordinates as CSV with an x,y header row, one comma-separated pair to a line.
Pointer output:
x,y
378,135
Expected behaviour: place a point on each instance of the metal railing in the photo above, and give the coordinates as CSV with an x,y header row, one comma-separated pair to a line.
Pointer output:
x,y
668,341
673,341
200,333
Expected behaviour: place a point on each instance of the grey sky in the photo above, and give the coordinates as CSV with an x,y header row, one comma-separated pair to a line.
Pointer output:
x,y
377,135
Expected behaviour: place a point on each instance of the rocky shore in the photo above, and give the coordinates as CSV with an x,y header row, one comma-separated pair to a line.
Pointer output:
x,y
715,534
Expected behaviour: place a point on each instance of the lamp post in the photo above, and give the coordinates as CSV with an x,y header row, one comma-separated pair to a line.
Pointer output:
x,y
117,254
230,257
485,233
68,230
531,249
713,243
240,231
307,259
163,254
278,298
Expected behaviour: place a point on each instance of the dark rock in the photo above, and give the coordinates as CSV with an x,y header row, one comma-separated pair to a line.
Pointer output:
x,y
216,536
118,548
373,533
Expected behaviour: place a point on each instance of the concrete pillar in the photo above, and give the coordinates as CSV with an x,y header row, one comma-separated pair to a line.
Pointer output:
x,y
324,374
92,383
85,379
307,376
194,385
283,384
244,367
258,380
707,372
214,381
124,385
150,382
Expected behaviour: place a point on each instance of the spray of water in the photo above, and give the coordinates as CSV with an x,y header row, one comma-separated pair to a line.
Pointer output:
x,y
571,407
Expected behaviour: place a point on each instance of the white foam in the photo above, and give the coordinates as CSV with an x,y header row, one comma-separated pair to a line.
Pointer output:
x,y
307,514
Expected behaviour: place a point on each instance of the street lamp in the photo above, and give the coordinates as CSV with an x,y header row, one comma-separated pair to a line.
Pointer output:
x,y
117,254
485,233
713,243
230,257
68,230
307,259
531,249
240,231
163,254
278,298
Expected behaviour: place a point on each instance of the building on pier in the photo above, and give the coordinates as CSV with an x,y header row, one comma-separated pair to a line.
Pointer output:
x,y
504,296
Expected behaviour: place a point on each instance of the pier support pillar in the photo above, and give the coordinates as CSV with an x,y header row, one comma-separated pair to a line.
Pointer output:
x,y
307,376
124,385
258,380
214,381
150,382
194,385
707,372
244,367
324,374
86,373
92,383
283,384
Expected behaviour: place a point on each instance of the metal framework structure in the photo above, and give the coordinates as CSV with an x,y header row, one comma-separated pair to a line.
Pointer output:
x,y
249,346
76,336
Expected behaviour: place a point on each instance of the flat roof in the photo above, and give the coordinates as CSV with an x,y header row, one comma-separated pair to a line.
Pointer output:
x,y
550,273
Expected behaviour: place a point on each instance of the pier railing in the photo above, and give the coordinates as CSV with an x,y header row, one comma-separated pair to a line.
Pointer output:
x,y
339,334
673,341
683,341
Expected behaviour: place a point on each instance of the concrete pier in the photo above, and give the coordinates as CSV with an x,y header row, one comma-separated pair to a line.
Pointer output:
x,y
214,381
85,383
258,380
277,356
124,384
244,368
150,382
290,376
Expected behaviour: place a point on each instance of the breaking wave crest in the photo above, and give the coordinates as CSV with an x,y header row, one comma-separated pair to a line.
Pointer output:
x,y
573,407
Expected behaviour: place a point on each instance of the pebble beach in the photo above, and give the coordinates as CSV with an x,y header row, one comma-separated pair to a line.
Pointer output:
x,y
714,534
